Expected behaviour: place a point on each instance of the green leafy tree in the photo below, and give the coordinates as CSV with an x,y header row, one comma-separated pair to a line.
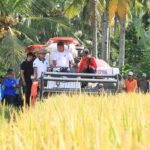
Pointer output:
x,y
25,22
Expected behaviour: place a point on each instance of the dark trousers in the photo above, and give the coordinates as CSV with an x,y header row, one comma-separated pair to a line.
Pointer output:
x,y
18,101
27,91
89,70
9,100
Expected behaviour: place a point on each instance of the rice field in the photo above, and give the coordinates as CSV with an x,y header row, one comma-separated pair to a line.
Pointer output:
x,y
79,122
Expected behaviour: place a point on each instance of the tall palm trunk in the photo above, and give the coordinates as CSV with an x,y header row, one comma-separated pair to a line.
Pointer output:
x,y
94,28
122,44
105,35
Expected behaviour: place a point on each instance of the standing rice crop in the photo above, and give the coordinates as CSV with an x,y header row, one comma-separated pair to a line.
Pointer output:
x,y
80,122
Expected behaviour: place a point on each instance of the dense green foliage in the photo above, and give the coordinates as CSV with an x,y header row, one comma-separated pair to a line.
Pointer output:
x,y
25,22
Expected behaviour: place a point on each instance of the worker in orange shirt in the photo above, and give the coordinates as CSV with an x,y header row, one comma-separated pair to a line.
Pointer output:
x,y
131,83
88,63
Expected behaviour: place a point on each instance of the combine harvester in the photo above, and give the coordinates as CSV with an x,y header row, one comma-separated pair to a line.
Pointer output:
x,y
105,79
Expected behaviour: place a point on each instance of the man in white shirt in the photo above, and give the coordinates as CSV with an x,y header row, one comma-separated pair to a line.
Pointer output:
x,y
40,64
62,58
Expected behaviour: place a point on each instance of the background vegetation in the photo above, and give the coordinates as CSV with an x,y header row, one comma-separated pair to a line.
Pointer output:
x,y
117,31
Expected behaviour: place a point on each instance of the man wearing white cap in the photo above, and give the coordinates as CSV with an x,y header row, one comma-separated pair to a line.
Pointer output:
x,y
131,83
40,64
143,84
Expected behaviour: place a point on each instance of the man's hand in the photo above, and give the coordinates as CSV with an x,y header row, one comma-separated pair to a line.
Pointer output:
x,y
89,56
54,63
24,83
14,85
72,65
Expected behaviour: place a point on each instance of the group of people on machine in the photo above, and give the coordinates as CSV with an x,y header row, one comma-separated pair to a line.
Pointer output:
x,y
40,62
60,60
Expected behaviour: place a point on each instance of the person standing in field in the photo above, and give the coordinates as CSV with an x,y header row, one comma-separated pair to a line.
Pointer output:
x,y
40,64
26,73
131,84
10,87
143,84
1,79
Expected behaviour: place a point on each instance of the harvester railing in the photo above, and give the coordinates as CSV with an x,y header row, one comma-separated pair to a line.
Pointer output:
x,y
76,78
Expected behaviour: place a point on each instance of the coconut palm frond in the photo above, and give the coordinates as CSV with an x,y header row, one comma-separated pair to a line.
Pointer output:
x,y
43,7
74,8
51,26
13,6
12,54
45,21
31,33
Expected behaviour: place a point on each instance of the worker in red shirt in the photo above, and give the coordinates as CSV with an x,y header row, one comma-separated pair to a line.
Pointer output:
x,y
87,63
131,83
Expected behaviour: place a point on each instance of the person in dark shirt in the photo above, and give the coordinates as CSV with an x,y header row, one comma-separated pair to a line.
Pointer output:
x,y
26,72
9,87
143,84
1,79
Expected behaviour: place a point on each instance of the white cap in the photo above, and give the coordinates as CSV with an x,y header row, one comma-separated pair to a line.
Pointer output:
x,y
144,75
130,73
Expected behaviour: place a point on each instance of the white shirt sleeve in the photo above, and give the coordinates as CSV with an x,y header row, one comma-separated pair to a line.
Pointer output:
x,y
54,56
71,57
35,64
66,48
47,57
48,65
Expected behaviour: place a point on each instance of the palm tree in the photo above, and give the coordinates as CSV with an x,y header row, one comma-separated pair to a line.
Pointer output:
x,y
122,43
122,8
48,19
94,27
119,7
21,24
105,33
9,11
93,13
11,47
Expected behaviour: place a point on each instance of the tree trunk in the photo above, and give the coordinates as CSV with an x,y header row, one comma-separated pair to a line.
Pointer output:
x,y
122,43
94,28
105,37
115,25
